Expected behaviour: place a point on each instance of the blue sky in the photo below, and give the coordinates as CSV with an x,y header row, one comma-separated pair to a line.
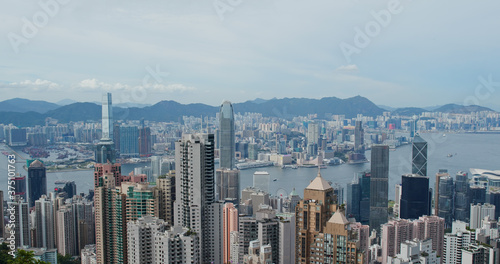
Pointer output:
x,y
427,53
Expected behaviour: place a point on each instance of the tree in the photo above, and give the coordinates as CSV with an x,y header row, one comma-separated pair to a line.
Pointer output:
x,y
66,259
26,257
5,257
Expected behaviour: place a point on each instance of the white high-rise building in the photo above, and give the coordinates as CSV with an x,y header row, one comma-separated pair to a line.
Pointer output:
x,y
195,206
66,232
140,238
176,246
44,224
261,180
453,242
287,239
478,212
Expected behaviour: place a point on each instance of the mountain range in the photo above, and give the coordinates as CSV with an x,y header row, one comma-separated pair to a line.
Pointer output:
x,y
23,112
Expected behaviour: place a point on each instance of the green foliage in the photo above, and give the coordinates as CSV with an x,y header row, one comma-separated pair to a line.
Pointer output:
x,y
5,257
66,259
26,257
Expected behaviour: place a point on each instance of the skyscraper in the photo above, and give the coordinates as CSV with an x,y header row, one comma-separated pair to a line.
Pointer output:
x,y
415,196
228,185
442,173
37,181
462,204
66,232
165,196
261,180
230,225
227,136
358,198
21,225
129,143
44,224
445,200
110,221
359,138
195,191
379,186
312,213
140,238
105,149
144,141
419,156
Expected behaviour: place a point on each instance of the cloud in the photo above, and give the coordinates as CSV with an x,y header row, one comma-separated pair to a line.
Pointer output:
x,y
94,84
350,67
36,85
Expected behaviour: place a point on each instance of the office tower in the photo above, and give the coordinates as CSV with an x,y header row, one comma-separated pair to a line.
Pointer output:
x,y
20,186
68,190
129,143
398,231
494,199
144,141
442,173
413,128
21,225
268,234
44,224
358,198
227,136
379,186
286,239
478,212
66,233
116,137
313,133
261,180
415,196
251,200
359,135
242,147
105,149
165,196
419,156
155,167
248,231
43,254
294,200
445,199
477,194
228,185
110,221
312,213
453,242
195,190
140,239
37,181
230,215
178,245
462,204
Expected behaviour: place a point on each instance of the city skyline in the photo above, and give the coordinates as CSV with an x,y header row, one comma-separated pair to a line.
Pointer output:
x,y
178,50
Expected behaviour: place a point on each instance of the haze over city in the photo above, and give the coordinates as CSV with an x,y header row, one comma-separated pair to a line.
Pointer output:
x,y
423,54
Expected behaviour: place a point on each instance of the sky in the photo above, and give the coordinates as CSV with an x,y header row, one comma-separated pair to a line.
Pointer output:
x,y
395,53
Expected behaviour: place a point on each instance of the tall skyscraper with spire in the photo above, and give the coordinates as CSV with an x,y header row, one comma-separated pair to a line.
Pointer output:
x,y
419,156
227,137
105,150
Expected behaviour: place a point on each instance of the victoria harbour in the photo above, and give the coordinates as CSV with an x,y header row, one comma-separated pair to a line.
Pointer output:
x,y
465,149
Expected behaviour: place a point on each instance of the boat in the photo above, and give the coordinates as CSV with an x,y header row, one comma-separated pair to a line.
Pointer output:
x,y
444,135
450,155
275,179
